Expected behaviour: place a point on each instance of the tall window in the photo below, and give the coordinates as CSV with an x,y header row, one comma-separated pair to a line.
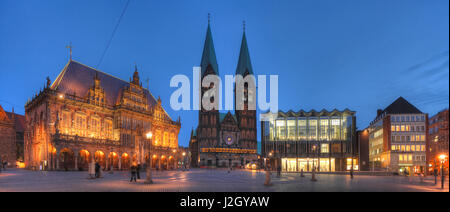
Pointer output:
x,y
108,129
312,130
335,128
302,128
324,127
281,129
291,131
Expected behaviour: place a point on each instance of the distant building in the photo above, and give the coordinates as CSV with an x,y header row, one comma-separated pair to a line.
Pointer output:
x,y
87,115
398,139
303,140
438,139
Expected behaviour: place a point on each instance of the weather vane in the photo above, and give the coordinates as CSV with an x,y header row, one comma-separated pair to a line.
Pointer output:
x,y
70,50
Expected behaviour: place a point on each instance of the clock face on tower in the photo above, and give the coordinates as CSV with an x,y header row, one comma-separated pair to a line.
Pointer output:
x,y
229,139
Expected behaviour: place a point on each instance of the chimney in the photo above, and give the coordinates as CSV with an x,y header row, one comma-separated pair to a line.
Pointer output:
x,y
379,111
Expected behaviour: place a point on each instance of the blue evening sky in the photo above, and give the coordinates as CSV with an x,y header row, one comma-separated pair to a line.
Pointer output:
x,y
360,55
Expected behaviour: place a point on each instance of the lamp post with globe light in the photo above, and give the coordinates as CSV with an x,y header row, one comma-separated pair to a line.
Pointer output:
x,y
149,166
442,158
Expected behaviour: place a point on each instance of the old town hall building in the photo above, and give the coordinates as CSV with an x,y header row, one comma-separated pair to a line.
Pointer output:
x,y
224,139
87,115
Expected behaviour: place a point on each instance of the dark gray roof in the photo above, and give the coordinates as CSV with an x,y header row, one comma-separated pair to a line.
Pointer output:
x,y
401,106
244,63
209,54
78,78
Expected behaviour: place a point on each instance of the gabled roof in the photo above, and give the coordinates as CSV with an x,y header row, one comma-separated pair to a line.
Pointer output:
x,y
78,78
19,121
209,54
3,116
401,106
223,115
244,63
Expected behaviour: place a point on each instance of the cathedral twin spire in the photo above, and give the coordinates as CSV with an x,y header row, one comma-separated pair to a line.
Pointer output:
x,y
244,66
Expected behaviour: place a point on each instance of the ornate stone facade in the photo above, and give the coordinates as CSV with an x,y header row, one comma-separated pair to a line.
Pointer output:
x,y
87,115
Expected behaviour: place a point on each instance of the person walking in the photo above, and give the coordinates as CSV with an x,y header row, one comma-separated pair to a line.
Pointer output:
x,y
138,171
279,171
133,172
97,170
1,161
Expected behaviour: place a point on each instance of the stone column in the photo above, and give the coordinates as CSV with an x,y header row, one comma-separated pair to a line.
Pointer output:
x,y
57,159
120,161
159,163
76,160
107,158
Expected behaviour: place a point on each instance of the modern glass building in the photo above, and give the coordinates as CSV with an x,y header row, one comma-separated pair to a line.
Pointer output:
x,y
300,140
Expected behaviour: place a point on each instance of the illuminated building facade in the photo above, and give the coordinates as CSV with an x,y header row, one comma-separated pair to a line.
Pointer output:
x,y
325,140
398,139
438,140
8,145
224,139
86,115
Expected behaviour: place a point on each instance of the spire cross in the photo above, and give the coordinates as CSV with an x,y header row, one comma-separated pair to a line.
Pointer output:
x,y
243,25
70,50
209,18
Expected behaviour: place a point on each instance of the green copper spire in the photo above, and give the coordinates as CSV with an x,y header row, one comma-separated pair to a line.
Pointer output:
x,y
209,54
244,63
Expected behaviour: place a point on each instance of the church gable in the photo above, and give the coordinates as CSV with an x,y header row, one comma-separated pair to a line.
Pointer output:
x,y
3,116
228,122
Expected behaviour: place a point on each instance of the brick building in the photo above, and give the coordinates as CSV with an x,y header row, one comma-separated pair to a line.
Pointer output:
x,y
224,139
8,147
438,139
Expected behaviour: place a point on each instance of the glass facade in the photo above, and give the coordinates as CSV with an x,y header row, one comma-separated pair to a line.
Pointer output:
x,y
308,128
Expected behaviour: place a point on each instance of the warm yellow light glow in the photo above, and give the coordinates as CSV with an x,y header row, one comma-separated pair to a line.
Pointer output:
x,y
184,153
20,165
154,156
442,157
149,135
162,156
174,151
61,96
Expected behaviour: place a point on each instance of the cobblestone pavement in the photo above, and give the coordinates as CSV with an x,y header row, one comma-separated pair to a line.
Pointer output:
x,y
204,180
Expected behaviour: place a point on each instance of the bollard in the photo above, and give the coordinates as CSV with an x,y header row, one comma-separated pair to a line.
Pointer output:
x,y
313,176
267,182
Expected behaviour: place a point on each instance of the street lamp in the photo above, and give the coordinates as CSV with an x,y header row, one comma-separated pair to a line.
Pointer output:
x,y
442,157
149,165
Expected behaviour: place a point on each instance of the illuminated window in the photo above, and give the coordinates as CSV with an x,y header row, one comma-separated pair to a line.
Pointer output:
x,y
393,147
335,128
393,128
312,130
281,129
397,128
402,128
324,127
291,131
413,148
407,128
324,148
408,148
302,129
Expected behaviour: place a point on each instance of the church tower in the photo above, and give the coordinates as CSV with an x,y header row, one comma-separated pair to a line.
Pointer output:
x,y
208,135
246,118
